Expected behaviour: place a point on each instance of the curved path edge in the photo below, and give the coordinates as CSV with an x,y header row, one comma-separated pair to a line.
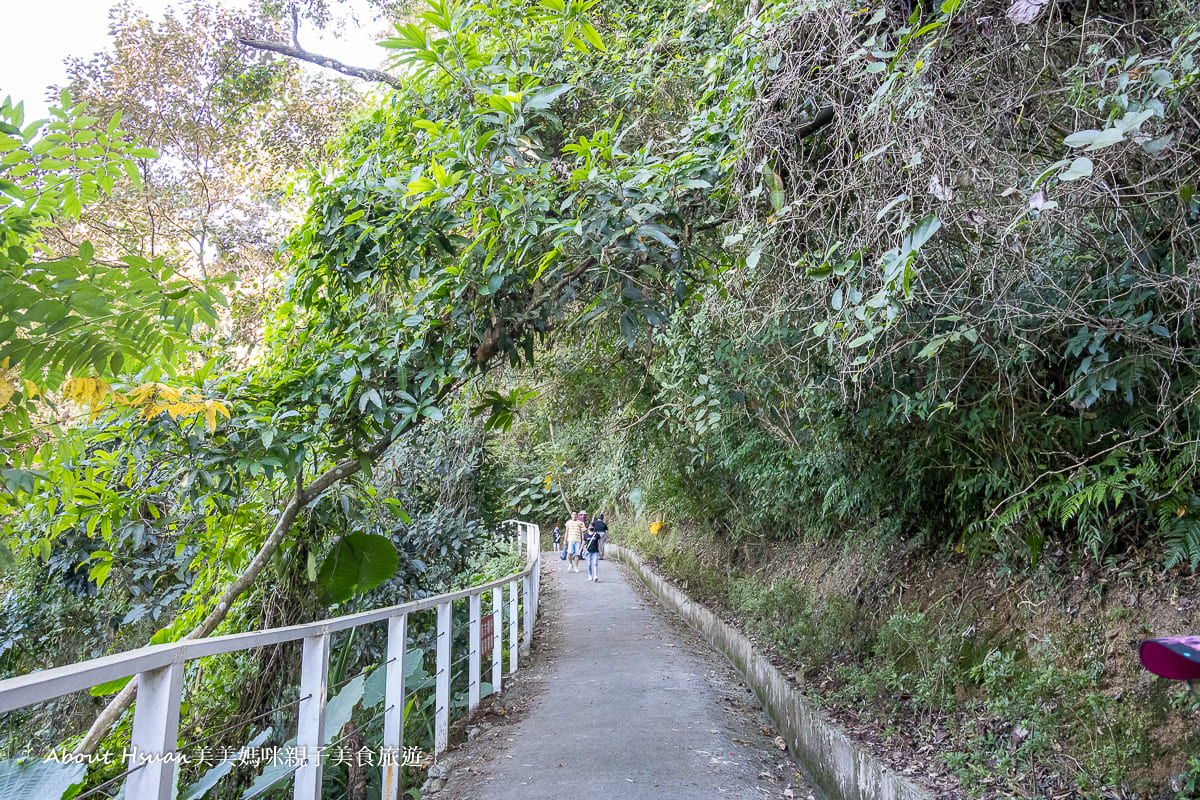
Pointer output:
x,y
834,763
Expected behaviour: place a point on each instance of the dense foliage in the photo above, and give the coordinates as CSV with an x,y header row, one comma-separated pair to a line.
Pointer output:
x,y
974,328
897,271
952,307
459,223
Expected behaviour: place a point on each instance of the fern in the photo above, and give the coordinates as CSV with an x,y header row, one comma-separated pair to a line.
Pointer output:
x,y
1179,525
836,497
1182,538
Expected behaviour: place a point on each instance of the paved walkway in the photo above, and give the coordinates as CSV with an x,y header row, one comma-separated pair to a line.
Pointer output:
x,y
627,703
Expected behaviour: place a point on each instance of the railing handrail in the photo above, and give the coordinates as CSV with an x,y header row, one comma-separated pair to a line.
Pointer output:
x,y
42,685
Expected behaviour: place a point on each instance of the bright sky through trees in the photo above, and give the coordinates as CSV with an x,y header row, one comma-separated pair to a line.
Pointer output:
x,y
32,59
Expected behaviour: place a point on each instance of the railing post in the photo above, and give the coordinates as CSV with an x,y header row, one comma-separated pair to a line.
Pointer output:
x,y
497,637
474,648
441,728
310,723
527,596
513,627
155,733
393,705
537,570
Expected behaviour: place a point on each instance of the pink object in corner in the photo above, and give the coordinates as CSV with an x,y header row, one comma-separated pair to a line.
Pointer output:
x,y
1177,657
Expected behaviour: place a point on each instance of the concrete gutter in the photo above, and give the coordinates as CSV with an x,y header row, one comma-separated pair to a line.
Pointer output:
x,y
835,764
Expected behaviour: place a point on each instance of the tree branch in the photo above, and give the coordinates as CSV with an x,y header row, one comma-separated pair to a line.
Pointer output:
x,y
297,52
823,117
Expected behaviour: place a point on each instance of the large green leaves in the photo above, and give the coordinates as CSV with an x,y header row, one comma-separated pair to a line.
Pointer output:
x,y
25,778
358,563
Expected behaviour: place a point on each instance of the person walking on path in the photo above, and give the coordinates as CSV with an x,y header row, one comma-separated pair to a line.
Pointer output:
x,y
600,527
591,544
557,536
575,531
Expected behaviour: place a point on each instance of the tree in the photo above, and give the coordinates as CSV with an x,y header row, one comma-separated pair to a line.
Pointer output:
x,y
233,126
69,319
464,223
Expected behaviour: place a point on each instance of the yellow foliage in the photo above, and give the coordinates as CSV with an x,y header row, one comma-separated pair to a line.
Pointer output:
x,y
8,382
211,409
91,392
152,398
655,527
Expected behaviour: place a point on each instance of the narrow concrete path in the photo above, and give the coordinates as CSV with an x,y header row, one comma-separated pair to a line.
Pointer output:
x,y
626,703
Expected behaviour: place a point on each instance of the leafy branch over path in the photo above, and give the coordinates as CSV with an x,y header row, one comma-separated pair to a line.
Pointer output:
x,y
450,239
299,499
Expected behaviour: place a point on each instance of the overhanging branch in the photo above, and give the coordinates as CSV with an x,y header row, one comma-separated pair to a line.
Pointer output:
x,y
297,52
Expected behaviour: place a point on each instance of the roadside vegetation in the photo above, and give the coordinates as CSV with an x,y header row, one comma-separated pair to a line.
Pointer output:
x,y
893,287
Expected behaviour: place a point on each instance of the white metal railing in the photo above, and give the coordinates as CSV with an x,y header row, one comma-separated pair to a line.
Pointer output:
x,y
160,668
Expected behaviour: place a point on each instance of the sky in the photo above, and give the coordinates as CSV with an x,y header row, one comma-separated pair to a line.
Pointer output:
x,y
38,42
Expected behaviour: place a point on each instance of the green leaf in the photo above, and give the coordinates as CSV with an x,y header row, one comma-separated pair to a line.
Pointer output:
x,y
40,778
592,36
1081,138
657,233
223,767
1161,77
774,184
109,687
1155,146
1108,136
543,98
919,235
1080,168
337,713
932,346
1094,139
861,340
371,397
753,256
90,300
357,563
500,103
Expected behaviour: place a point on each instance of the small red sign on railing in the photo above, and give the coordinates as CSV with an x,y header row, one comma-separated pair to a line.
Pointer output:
x,y
486,632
